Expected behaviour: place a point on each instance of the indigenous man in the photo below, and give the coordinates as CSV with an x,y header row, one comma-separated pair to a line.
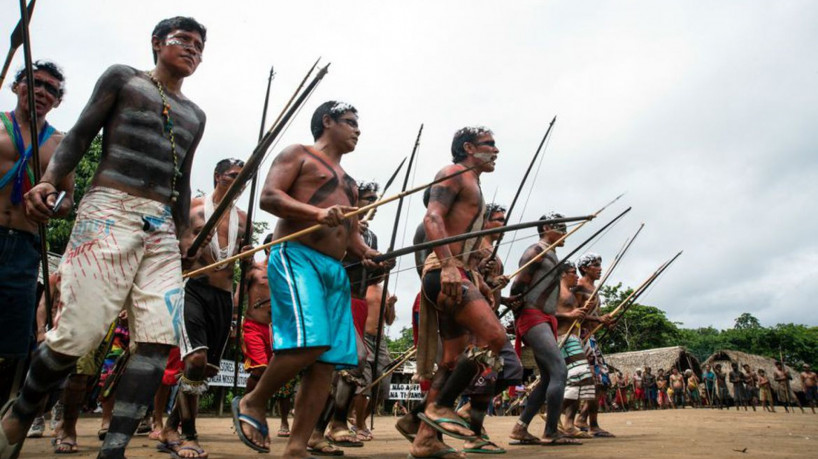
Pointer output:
x,y
750,385
351,382
456,293
649,381
765,391
721,386
709,378
208,309
693,388
128,223
590,267
19,240
638,391
784,392
809,379
312,323
580,381
737,380
485,387
661,389
677,383
537,328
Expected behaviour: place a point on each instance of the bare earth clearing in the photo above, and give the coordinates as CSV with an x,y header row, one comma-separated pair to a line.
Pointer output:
x,y
673,433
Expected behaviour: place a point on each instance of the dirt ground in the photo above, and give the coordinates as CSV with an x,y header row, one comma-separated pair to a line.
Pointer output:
x,y
673,434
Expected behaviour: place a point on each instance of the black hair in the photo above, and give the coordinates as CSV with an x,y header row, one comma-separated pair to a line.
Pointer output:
x,y
332,108
167,26
225,165
557,226
463,135
426,196
43,66
268,238
492,208
368,187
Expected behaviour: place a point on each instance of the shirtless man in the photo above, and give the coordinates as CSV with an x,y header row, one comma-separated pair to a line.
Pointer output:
x,y
750,385
312,322
590,267
661,389
677,383
579,383
809,379
128,223
19,239
721,386
486,386
765,391
349,389
537,327
208,309
784,392
454,290
638,391
737,379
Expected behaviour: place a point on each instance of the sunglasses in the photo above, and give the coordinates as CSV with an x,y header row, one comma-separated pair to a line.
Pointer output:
x,y
488,143
368,198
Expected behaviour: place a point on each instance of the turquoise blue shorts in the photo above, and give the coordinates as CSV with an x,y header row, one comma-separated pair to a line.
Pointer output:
x,y
311,303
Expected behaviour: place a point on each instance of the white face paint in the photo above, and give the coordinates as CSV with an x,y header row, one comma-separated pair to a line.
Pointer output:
x,y
485,157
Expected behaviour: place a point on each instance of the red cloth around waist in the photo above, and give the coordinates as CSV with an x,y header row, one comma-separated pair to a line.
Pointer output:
x,y
359,313
528,319
415,318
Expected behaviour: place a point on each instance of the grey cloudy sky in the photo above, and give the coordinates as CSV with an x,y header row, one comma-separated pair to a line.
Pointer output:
x,y
704,112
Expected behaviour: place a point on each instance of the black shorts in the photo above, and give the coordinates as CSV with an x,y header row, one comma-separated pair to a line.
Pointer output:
x,y
448,327
206,318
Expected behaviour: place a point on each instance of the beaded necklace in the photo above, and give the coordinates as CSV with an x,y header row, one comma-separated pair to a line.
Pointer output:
x,y
168,129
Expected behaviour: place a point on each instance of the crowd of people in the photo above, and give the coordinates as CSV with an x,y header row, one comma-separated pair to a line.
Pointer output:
x,y
146,290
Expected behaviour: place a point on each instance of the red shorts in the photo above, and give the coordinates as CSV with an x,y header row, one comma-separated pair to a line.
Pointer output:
x,y
360,311
256,344
174,367
415,319
639,393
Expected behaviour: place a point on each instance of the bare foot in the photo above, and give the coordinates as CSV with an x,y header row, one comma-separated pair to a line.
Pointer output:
x,y
190,449
429,446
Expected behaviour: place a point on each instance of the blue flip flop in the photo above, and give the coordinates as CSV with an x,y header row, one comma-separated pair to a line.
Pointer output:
x,y
261,427
436,424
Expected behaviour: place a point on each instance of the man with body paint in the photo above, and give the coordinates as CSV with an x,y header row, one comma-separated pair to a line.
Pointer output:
x,y
124,248
208,309
19,240
539,285
590,267
456,301
486,386
312,323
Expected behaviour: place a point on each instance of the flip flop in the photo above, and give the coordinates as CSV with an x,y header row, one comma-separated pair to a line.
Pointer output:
x,y
168,447
283,432
261,427
72,447
435,424
603,434
349,443
436,454
7,450
559,441
201,453
525,442
101,433
478,448
320,449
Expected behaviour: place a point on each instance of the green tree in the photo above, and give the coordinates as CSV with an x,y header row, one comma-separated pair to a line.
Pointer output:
x,y
59,230
640,327
746,321
400,344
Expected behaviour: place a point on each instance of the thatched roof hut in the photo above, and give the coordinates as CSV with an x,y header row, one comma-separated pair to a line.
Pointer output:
x,y
726,357
664,358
